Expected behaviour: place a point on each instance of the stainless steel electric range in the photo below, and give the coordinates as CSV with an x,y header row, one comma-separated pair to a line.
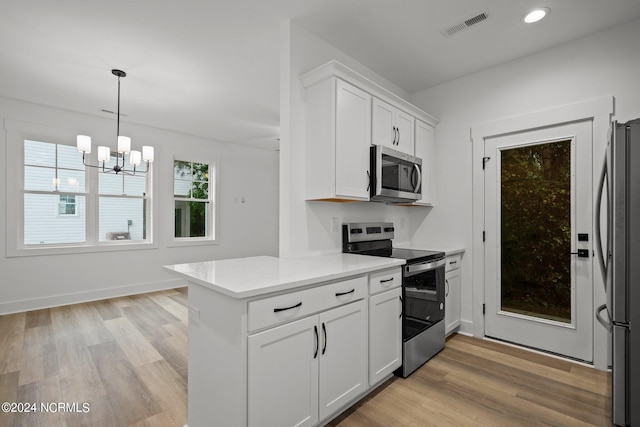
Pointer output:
x,y
422,289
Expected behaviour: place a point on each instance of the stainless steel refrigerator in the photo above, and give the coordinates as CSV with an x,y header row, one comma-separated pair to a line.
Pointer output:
x,y
619,258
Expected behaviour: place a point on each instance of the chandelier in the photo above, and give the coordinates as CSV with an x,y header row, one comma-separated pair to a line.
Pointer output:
x,y
123,147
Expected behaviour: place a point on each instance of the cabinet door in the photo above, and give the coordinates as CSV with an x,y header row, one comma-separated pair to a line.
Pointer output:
x,y
404,127
283,375
343,356
385,334
384,124
424,150
452,300
353,139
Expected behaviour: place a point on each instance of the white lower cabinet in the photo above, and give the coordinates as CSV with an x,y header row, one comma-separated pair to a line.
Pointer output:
x,y
385,334
283,375
304,371
453,283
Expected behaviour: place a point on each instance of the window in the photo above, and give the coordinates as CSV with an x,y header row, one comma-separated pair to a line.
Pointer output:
x,y
53,176
193,200
122,203
65,203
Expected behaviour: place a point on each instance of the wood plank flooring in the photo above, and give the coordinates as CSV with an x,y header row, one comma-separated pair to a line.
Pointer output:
x,y
127,358
475,382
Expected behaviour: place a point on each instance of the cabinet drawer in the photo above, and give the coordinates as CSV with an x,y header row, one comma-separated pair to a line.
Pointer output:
x,y
453,262
283,308
384,280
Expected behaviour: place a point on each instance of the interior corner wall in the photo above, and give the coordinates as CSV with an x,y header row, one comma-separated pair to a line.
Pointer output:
x,y
305,227
604,64
244,228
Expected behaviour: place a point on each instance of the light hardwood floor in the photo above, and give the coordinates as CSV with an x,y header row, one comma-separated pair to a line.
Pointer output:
x,y
127,358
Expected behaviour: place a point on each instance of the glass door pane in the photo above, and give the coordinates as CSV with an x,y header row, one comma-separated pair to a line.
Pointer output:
x,y
536,230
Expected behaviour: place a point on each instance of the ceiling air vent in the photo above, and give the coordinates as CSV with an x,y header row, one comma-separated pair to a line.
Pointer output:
x,y
473,20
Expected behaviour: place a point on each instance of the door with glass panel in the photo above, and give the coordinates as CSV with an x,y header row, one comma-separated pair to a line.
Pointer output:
x,y
538,239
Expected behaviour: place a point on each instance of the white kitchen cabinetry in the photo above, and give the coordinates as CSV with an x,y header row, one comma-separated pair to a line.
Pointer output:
x,y
385,324
424,150
452,293
392,127
338,135
283,375
304,371
345,114
277,341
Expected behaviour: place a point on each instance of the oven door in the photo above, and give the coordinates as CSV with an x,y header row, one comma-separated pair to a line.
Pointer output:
x,y
396,178
423,296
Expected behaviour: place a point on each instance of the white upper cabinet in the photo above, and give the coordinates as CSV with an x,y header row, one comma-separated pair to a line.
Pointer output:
x,y
345,114
338,138
424,150
392,127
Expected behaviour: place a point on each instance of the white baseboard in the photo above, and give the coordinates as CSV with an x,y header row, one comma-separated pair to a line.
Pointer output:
x,y
86,296
466,328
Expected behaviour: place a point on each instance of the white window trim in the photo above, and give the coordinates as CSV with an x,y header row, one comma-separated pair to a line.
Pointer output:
x,y
16,133
213,162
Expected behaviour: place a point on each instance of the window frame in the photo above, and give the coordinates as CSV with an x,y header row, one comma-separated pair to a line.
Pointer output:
x,y
19,131
212,238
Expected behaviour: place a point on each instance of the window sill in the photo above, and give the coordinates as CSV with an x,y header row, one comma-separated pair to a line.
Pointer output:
x,y
79,248
195,241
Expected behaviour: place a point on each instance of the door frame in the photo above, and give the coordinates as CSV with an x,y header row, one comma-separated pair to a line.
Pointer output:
x,y
599,111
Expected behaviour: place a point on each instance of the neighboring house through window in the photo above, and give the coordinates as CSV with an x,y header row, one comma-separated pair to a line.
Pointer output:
x,y
67,205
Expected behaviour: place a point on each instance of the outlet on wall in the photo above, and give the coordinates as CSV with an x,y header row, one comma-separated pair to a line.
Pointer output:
x,y
335,224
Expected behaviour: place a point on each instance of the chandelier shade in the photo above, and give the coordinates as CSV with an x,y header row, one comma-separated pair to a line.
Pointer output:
x,y
123,147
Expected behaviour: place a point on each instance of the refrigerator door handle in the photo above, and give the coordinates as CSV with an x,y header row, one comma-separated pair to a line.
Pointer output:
x,y
603,322
602,258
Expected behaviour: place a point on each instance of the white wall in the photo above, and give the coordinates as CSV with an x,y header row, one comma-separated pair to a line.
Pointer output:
x,y
603,64
305,227
244,229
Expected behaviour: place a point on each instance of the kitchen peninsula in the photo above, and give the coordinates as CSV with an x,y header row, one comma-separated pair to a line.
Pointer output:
x,y
288,341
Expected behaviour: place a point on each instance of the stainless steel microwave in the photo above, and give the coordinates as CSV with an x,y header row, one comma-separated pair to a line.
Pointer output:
x,y
396,177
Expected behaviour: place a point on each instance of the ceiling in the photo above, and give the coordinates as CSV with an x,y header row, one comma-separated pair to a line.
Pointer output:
x,y
211,67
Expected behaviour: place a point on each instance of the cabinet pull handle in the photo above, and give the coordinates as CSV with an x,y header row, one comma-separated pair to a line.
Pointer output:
x,y
315,331
369,177
339,294
324,332
395,136
401,307
398,140
386,280
446,282
277,310
453,262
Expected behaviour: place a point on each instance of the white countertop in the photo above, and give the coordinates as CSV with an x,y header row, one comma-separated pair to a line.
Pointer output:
x,y
448,250
254,276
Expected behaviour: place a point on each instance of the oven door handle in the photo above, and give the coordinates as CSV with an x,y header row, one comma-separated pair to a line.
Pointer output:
x,y
412,269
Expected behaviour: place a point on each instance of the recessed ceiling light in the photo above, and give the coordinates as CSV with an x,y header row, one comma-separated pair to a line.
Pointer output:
x,y
536,15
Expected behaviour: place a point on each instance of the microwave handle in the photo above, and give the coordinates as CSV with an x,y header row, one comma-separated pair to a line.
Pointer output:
x,y
419,183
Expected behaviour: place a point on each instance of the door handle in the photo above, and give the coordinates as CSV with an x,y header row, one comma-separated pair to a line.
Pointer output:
x,y
324,332
401,308
582,253
315,330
